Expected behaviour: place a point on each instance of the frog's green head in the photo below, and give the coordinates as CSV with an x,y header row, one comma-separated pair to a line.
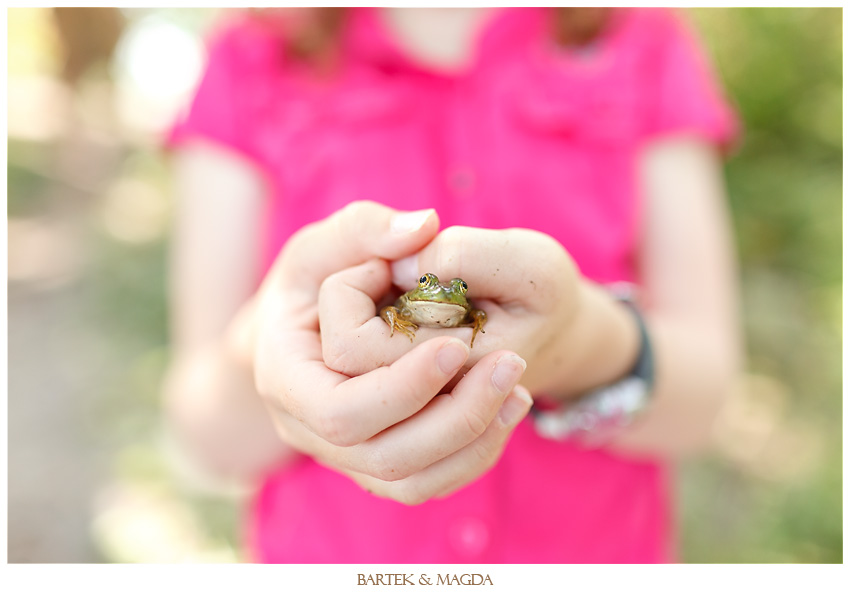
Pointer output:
x,y
430,289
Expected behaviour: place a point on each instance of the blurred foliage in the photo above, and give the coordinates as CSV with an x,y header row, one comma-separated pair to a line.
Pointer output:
x,y
783,69
770,493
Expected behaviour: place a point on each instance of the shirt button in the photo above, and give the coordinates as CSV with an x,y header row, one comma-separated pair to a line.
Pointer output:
x,y
469,536
462,181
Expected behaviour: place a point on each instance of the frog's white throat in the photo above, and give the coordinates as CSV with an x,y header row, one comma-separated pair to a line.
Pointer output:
x,y
436,314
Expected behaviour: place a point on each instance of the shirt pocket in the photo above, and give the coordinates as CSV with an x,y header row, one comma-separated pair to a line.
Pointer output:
x,y
335,146
311,125
568,99
369,103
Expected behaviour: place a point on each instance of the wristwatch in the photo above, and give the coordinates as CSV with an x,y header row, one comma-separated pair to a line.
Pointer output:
x,y
596,417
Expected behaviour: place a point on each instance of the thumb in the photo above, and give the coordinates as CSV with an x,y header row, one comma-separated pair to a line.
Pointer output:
x,y
359,232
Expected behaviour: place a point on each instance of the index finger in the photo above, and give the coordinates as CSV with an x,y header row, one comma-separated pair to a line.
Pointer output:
x,y
505,265
343,410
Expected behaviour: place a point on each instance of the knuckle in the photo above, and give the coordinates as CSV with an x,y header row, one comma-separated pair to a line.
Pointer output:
x,y
485,454
340,355
356,210
547,290
413,396
488,450
299,243
452,235
327,285
333,352
333,427
409,493
379,466
474,423
450,244
552,251
350,221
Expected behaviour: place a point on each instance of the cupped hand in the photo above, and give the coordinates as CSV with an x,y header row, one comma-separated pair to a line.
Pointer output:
x,y
393,428
524,280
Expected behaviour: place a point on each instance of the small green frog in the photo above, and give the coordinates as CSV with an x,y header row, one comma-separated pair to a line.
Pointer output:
x,y
433,304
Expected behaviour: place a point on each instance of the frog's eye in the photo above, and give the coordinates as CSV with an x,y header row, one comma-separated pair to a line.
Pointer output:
x,y
423,281
459,285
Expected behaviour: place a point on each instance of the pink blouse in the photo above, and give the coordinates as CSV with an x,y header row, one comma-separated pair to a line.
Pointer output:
x,y
530,135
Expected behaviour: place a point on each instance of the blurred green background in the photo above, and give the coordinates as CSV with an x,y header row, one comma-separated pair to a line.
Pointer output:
x,y
94,477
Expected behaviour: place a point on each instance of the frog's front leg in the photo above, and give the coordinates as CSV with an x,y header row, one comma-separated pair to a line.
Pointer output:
x,y
478,318
392,316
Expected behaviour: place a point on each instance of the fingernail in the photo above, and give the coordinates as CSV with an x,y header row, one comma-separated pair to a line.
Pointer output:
x,y
516,406
451,356
407,223
405,271
508,370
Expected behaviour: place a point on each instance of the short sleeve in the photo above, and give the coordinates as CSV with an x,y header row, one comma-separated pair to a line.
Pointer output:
x,y
222,109
684,94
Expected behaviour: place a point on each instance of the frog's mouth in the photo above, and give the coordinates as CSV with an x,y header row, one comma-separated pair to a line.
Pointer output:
x,y
436,314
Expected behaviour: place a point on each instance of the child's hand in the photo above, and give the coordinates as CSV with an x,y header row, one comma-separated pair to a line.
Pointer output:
x,y
385,428
524,280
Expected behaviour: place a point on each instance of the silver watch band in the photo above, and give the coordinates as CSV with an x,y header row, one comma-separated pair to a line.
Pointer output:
x,y
597,415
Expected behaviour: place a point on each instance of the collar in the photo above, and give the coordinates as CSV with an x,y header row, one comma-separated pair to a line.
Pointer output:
x,y
369,38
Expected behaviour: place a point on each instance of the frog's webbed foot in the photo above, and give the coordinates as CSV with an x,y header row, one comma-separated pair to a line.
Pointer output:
x,y
479,317
390,314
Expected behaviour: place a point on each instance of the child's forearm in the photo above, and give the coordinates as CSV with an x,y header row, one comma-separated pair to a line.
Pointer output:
x,y
696,363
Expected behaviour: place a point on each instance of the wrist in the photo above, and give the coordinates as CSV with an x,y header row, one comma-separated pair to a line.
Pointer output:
x,y
601,414
600,346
